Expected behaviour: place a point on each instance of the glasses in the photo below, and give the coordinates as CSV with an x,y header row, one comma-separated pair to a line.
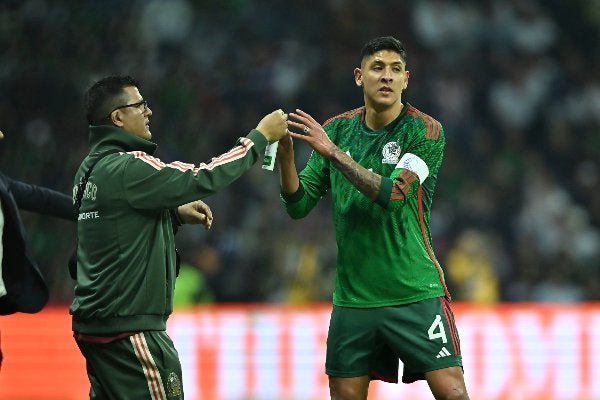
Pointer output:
x,y
143,104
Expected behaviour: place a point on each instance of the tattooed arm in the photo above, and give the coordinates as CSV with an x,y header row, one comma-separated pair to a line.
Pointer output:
x,y
367,182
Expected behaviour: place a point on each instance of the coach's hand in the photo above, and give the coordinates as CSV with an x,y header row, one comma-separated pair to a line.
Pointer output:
x,y
273,126
196,212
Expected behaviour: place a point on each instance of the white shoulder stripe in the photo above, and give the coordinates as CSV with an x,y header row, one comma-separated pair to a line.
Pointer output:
x,y
232,155
415,164
148,159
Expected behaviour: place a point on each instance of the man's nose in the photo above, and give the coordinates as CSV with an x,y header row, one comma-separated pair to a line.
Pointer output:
x,y
387,74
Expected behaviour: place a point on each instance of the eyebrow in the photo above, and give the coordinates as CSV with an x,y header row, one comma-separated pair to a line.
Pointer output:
x,y
399,62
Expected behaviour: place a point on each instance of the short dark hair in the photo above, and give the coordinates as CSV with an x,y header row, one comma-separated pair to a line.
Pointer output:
x,y
383,43
104,96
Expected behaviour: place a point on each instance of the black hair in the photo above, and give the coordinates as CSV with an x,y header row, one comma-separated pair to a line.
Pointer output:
x,y
104,96
383,43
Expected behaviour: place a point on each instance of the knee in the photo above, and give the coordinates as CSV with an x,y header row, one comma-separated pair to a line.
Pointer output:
x,y
447,384
455,394
346,391
346,394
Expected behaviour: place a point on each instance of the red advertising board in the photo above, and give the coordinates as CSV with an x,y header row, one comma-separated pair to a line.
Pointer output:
x,y
516,352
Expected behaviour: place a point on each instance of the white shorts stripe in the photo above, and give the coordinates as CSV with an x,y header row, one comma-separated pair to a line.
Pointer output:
x,y
155,385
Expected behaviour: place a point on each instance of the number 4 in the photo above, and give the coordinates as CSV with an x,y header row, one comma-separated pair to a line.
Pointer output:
x,y
437,324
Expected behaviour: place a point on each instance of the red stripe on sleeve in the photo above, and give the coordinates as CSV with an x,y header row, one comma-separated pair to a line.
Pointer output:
x,y
232,155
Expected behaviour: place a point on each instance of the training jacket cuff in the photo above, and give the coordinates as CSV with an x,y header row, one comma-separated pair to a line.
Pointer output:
x,y
260,141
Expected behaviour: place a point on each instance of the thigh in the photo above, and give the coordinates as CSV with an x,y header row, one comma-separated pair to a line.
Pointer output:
x,y
354,348
424,336
144,365
350,342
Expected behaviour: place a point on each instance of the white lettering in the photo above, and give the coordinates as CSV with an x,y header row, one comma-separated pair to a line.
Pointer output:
x,y
266,352
89,215
549,351
523,352
234,348
90,191
493,369
184,330
307,347
496,348
437,324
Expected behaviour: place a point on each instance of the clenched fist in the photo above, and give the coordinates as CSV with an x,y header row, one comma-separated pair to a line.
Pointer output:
x,y
273,126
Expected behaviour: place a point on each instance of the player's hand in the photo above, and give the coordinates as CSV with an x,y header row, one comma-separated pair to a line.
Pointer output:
x,y
273,126
285,150
311,132
1,135
196,212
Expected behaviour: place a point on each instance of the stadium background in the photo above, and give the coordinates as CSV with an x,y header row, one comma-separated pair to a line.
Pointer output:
x,y
516,215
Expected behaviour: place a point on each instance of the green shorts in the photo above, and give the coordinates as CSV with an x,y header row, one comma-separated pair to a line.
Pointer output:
x,y
371,341
144,365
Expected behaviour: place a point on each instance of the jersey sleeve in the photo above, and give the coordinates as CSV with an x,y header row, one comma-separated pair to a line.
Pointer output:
x,y
149,183
418,163
314,184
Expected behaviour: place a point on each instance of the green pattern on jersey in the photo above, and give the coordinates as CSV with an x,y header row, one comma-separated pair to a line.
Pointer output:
x,y
385,256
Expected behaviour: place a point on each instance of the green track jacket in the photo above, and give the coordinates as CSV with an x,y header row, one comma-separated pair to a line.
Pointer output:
x,y
126,260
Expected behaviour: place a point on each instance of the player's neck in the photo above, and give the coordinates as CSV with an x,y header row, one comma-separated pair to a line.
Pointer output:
x,y
376,119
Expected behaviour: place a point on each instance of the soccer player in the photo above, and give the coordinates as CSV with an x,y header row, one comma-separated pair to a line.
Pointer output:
x,y
126,257
380,162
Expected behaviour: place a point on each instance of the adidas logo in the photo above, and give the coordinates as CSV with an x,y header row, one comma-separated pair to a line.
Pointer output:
x,y
443,353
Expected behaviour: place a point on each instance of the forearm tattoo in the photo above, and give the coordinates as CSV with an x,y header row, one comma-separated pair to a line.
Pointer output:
x,y
367,182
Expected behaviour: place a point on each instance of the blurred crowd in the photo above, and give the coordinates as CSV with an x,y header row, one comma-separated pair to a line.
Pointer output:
x,y
515,83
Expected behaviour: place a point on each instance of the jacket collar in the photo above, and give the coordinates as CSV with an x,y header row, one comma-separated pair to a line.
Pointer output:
x,y
106,137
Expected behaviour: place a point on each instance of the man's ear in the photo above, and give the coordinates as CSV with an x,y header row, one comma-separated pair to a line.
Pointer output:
x,y
358,76
115,118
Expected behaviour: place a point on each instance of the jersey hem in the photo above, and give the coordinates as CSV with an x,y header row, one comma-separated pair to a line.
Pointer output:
x,y
387,303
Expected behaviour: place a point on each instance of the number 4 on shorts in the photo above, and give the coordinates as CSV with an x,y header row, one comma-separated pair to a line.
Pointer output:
x,y
441,332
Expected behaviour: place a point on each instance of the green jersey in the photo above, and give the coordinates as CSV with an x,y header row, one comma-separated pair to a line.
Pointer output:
x,y
384,251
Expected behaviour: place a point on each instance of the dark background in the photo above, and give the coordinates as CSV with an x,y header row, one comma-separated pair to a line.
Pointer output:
x,y
515,83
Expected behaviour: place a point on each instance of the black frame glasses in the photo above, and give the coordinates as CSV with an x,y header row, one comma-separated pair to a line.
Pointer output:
x,y
137,105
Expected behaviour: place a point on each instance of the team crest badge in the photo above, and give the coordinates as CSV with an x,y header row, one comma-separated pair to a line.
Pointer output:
x,y
173,385
391,153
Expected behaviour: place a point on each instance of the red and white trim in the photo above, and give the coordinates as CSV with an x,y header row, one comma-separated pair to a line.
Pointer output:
x,y
234,154
155,384
449,316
